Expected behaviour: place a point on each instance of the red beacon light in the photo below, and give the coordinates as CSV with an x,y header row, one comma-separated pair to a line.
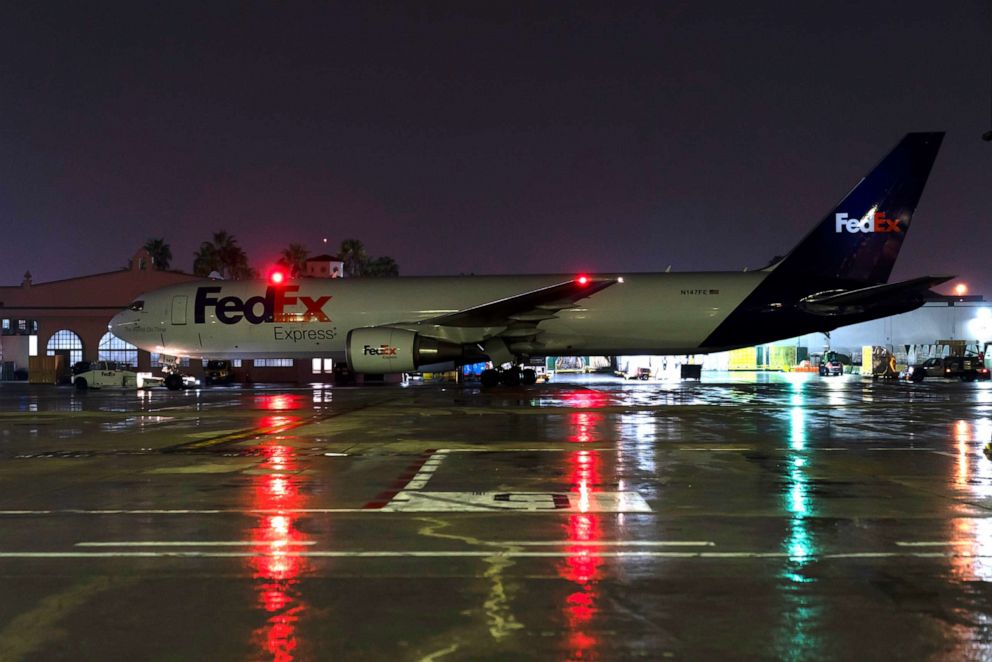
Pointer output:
x,y
582,280
277,277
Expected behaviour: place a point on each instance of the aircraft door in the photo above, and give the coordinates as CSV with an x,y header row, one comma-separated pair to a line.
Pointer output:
x,y
179,309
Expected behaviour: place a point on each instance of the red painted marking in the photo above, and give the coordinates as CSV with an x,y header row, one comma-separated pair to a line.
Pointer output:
x,y
401,481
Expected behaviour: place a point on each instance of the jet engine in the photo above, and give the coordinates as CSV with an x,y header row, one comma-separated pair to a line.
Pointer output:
x,y
379,350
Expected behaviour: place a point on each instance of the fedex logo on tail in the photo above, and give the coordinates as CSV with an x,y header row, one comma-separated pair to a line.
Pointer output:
x,y
872,222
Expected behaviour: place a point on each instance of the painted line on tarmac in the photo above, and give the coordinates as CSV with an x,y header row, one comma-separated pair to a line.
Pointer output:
x,y
603,543
254,433
242,435
417,476
907,448
568,449
704,448
934,543
299,543
198,543
490,553
184,511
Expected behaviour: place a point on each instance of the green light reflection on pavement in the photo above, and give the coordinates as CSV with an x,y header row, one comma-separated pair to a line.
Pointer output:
x,y
799,615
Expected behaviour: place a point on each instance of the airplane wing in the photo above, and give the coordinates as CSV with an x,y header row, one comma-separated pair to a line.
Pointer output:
x,y
534,306
510,326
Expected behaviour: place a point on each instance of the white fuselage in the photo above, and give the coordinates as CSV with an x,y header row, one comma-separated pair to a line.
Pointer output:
x,y
645,313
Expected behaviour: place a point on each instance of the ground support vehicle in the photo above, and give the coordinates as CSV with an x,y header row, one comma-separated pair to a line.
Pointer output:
x,y
110,374
965,368
218,372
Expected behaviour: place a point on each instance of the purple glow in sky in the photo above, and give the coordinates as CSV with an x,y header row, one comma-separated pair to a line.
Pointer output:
x,y
486,138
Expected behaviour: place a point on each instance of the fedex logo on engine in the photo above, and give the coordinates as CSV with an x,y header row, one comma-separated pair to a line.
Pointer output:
x,y
387,351
278,305
872,222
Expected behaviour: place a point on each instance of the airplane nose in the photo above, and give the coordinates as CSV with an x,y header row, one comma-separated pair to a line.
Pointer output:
x,y
119,324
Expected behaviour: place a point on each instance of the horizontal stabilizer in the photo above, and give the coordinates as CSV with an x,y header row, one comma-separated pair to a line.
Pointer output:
x,y
876,294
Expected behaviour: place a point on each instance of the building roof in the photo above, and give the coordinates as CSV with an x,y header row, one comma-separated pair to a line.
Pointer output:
x,y
324,258
112,289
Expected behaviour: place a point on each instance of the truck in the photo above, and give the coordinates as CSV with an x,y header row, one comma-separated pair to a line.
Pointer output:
x,y
965,368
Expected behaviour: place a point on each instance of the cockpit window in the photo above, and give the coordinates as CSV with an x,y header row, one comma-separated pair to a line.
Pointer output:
x,y
137,306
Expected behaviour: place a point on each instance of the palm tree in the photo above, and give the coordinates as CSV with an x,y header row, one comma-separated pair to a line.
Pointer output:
x,y
161,253
224,256
382,267
354,257
294,258
205,260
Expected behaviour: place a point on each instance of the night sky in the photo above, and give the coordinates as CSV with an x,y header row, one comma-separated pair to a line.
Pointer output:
x,y
483,137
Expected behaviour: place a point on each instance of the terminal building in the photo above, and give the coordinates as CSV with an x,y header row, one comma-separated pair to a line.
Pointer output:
x,y
69,318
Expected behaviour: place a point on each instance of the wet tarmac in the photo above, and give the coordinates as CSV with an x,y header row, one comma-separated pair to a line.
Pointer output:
x,y
744,517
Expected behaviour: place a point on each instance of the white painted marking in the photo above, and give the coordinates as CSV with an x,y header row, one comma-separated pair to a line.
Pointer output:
x,y
197,543
647,553
569,449
560,502
335,455
954,455
184,511
933,543
908,448
604,543
705,449
425,473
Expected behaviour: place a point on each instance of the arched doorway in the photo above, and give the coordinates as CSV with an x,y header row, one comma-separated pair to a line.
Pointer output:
x,y
112,348
67,343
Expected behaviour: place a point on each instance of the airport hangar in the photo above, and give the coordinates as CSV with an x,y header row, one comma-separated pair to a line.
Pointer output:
x,y
70,317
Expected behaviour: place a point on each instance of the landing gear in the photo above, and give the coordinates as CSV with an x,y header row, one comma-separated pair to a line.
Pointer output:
x,y
173,381
511,377
489,378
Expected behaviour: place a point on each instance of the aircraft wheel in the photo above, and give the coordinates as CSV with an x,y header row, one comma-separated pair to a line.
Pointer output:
x,y
489,378
173,381
528,377
81,384
510,377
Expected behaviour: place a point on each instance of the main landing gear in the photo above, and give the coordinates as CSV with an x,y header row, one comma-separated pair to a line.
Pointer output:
x,y
511,377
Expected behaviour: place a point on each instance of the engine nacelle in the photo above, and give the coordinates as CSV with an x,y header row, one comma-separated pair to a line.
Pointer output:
x,y
380,350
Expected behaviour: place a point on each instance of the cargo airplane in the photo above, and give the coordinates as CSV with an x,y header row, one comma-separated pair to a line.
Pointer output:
x,y
837,275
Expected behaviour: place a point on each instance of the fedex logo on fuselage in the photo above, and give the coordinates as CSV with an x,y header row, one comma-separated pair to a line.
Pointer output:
x,y
872,222
278,305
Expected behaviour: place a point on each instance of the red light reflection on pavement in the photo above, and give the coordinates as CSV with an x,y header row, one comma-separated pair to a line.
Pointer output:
x,y
280,402
584,424
276,564
582,566
586,399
